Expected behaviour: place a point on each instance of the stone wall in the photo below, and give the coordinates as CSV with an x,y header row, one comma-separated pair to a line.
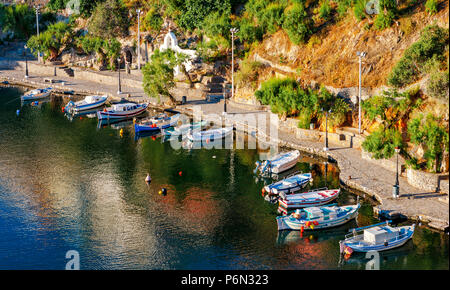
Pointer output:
x,y
432,182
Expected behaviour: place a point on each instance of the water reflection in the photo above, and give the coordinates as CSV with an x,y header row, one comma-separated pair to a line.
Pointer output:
x,y
66,185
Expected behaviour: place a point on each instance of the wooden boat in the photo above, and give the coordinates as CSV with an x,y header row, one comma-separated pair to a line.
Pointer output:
x,y
89,103
288,185
209,135
36,94
183,129
157,123
314,218
316,197
378,237
278,163
122,111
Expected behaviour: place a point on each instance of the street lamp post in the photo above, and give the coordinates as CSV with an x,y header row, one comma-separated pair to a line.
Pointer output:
x,y
233,31
396,187
360,54
224,99
118,68
139,12
37,29
326,129
26,62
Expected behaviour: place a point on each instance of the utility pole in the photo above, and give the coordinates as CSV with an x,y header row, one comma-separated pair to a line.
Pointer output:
x,y
26,62
233,31
360,54
139,12
37,29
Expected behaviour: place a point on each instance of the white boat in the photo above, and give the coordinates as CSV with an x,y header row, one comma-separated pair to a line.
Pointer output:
x,y
316,197
89,103
379,237
210,135
313,218
278,163
122,111
288,185
36,94
183,129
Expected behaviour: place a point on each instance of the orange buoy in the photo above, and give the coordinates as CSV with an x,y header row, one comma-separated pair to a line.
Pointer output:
x,y
180,173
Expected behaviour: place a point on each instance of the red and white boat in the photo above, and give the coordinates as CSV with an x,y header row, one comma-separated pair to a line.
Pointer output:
x,y
319,197
122,111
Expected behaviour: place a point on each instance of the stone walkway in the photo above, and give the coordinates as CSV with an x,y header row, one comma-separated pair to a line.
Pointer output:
x,y
367,177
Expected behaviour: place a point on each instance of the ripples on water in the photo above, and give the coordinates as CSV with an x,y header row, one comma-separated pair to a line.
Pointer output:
x,y
69,185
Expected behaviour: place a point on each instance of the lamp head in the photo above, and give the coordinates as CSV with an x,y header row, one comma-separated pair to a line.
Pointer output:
x,y
397,150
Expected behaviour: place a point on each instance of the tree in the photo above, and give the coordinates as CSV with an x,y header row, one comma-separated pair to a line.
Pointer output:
x,y
158,74
109,19
430,135
325,10
52,41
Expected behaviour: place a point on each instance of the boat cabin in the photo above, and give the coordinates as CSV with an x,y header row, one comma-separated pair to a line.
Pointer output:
x,y
323,213
124,107
377,235
92,99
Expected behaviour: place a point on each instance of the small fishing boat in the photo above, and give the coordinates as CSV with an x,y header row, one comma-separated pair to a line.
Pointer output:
x,y
378,237
156,123
318,217
183,129
316,197
288,185
122,111
36,94
209,135
278,163
89,103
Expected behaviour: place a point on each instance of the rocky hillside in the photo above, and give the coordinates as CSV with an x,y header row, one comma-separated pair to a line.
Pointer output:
x,y
329,57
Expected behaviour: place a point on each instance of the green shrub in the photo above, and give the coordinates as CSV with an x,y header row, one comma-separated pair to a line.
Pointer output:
x,y
248,31
413,163
109,20
325,10
297,24
359,9
431,6
431,45
248,73
382,143
384,20
152,20
343,6
432,137
437,85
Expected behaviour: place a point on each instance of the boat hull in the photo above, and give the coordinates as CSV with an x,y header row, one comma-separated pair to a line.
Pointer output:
x,y
288,185
35,97
205,137
102,115
289,223
291,203
86,107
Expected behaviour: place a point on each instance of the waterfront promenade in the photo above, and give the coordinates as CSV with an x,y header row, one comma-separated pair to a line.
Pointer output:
x,y
367,177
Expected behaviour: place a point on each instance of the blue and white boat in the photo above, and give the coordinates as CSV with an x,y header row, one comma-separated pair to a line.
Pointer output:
x,y
209,135
278,163
317,197
183,129
288,185
157,123
122,111
89,103
378,237
314,218
37,94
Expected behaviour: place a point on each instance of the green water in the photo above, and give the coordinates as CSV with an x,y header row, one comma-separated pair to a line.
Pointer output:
x,y
70,185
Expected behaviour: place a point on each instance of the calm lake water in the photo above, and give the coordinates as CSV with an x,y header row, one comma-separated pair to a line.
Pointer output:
x,y
69,185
